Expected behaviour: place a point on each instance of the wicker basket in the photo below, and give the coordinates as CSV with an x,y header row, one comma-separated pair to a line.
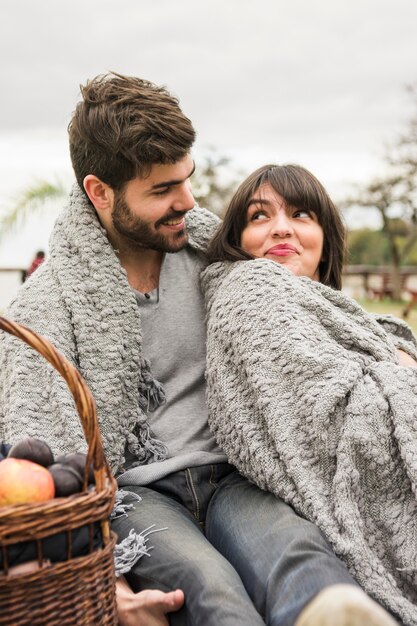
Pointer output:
x,y
79,590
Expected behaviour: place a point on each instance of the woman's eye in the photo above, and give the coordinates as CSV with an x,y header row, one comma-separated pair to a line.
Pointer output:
x,y
301,213
258,215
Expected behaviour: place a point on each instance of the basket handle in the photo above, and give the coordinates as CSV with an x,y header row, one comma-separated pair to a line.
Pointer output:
x,y
83,397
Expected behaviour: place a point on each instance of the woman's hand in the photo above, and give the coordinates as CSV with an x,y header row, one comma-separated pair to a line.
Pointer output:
x,y
146,608
405,359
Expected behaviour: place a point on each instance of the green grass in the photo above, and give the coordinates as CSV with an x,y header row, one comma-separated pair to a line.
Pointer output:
x,y
393,308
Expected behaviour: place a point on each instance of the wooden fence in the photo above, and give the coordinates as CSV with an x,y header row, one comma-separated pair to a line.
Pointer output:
x,y
375,281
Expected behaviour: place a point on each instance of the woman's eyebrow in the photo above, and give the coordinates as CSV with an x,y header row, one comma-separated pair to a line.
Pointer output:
x,y
253,201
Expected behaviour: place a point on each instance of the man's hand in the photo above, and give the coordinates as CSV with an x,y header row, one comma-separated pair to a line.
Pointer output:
x,y
146,608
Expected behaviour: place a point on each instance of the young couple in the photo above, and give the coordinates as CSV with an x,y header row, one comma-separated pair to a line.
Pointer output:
x,y
303,385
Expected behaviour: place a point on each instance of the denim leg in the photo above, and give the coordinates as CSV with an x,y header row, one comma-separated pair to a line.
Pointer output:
x,y
283,559
182,557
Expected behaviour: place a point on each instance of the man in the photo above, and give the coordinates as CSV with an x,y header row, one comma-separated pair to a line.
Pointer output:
x,y
120,297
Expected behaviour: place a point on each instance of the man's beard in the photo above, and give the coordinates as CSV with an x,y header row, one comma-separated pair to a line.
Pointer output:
x,y
138,234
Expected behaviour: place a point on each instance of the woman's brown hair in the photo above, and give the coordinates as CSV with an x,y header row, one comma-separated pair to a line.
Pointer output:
x,y
301,190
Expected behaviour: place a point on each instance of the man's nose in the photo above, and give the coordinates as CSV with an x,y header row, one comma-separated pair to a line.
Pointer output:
x,y
184,200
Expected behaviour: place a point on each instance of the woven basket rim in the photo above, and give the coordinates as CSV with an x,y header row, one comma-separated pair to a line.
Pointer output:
x,y
77,505
77,562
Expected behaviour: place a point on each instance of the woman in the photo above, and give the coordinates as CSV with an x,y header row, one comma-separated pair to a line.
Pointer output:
x,y
310,396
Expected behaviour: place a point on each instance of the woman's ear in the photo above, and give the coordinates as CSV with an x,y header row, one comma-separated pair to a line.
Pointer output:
x,y
101,195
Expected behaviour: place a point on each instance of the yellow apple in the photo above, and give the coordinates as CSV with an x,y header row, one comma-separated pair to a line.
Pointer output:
x,y
23,482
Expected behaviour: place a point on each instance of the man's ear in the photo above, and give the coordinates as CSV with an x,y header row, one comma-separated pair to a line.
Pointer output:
x,y
100,194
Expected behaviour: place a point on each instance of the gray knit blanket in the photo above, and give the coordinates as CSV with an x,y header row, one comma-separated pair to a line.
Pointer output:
x,y
81,301
307,399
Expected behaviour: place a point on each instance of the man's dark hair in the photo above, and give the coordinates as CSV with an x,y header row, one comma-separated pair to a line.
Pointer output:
x,y
123,126
301,190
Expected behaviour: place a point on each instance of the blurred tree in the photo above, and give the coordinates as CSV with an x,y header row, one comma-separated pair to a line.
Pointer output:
x,y
403,154
394,196
214,181
367,247
371,247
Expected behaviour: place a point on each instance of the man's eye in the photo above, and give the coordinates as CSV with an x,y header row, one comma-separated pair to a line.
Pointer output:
x,y
163,192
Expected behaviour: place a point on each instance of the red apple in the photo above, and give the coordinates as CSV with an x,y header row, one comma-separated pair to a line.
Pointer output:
x,y
23,482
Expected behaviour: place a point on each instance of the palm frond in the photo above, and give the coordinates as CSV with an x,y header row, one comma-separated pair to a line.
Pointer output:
x,y
33,198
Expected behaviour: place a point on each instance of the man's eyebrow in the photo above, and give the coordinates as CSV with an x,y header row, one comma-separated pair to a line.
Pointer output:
x,y
171,183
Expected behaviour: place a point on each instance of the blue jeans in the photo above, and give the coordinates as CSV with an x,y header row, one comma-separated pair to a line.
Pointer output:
x,y
242,556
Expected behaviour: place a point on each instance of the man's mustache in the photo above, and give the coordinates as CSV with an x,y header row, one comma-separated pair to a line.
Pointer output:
x,y
174,215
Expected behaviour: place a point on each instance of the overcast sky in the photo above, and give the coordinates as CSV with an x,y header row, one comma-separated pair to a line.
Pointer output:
x,y
317,82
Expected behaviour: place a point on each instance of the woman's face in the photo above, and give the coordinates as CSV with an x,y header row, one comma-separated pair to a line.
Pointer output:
x,y
286,235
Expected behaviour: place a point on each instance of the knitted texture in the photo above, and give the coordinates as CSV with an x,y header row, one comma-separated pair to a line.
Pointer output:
x,y
307,399
81,301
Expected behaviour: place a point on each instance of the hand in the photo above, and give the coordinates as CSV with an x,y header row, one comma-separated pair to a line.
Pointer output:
x,y
405,359
146,608
28,567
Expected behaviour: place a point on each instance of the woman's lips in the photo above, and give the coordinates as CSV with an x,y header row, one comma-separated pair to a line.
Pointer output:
x,y
282,250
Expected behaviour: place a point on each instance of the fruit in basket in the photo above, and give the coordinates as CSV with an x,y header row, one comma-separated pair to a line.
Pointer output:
x,y
77,461
4,450
67,480
34,450
24,482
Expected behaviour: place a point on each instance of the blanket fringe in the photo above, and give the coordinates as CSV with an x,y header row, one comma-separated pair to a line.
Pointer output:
x,y
120,508
141,443
128,552
151,392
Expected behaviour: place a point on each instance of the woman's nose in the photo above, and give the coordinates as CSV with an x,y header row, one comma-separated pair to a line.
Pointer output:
x,y
282,226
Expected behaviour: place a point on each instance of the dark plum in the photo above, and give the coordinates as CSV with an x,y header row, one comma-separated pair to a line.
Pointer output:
x,y
34,450
67,480
4,449
77,461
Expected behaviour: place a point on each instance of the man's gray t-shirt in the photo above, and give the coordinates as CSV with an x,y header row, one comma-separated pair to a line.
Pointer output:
x,y
174,341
